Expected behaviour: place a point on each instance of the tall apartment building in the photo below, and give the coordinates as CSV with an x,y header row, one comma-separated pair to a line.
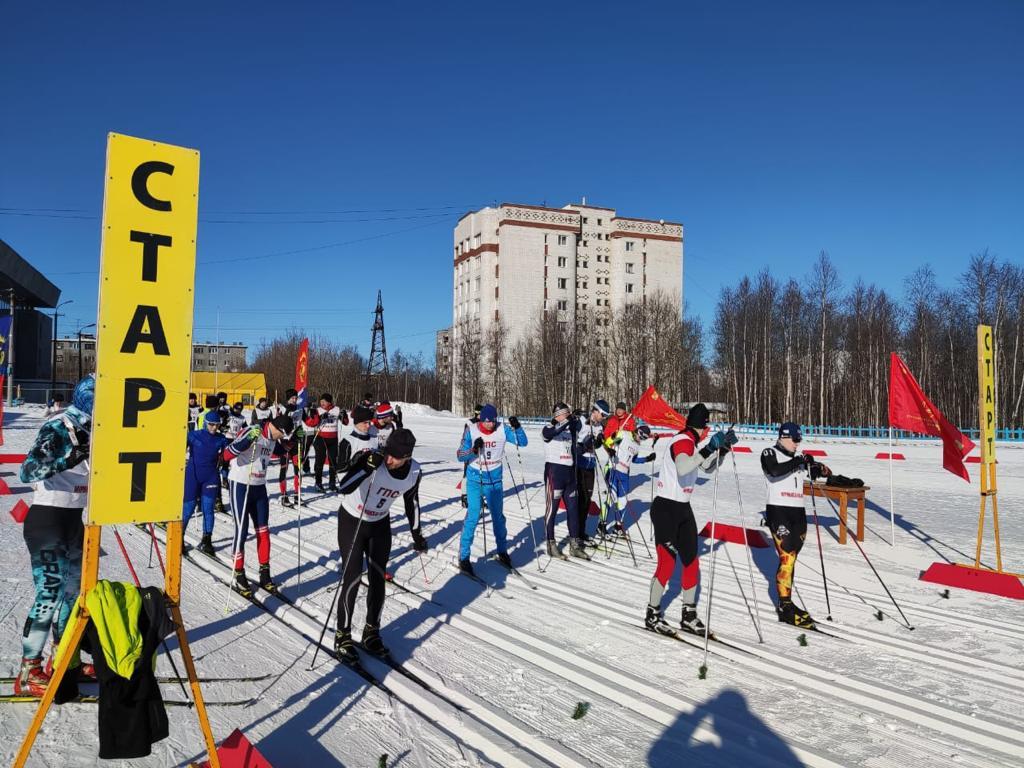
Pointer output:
x,y
513,261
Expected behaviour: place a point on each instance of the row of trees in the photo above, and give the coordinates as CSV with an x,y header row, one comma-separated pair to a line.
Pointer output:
x,y
608,354
341,370
813,351
818,353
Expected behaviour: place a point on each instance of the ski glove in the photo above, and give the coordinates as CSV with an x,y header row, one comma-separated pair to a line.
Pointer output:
x,y
718,440
650,457
373,460
478,445
254,432
513,421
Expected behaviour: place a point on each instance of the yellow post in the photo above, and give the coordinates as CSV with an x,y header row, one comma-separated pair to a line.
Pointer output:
x,y
987,436
172,588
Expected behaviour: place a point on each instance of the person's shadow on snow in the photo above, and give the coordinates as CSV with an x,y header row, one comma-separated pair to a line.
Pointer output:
x,y
738,737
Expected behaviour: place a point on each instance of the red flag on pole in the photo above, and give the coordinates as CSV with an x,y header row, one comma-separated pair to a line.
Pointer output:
x,y
910,409
302,373
653,409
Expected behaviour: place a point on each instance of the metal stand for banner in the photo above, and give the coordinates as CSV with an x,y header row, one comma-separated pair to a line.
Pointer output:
x,y
979,577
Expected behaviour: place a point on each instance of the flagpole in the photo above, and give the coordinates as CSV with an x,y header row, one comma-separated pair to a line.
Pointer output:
x,y
892,510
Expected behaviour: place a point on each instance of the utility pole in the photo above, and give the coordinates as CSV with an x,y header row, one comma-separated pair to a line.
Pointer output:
x,y
90,325
377,363
10,353
53,352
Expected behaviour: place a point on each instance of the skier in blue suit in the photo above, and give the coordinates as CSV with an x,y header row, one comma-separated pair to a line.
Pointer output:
x,y
482,450
202,480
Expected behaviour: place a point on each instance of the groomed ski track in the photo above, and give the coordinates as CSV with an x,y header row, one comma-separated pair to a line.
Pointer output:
x,y
508,665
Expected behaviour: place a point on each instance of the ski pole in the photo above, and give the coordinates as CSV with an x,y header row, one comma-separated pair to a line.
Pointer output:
x,y
865,554
138,586
714,551
821,554
154,545
298,506
746,541
344,564
529,513
150,563
239,516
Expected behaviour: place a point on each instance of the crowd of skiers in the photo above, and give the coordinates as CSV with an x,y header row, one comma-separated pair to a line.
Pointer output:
x,y
368,455
580,447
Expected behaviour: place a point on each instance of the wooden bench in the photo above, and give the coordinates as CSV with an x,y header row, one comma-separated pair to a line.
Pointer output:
x,y
842,496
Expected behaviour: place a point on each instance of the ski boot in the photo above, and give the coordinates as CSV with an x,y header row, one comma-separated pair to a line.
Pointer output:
x,y
267,583
206,545
465,501
372,642
790,614
286,501
617,530
691,621
32,679
505,560
418,542
576,549
553,550
655,621
344,648
241,584
319,487
602,529
466,567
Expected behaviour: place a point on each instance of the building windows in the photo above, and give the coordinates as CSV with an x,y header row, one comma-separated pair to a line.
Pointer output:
x,y
200,350
629,245
563,305
562,239
629,287
599,222
629,268
561,261
562,282
583,243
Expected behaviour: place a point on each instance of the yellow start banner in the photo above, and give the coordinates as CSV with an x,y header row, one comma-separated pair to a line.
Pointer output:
x,y
144,331
986,393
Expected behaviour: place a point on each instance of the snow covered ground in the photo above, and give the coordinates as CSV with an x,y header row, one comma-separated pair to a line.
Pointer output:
x,y
507,666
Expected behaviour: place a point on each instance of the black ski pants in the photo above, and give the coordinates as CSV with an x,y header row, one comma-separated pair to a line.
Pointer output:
x,y
326,448
585,491
358,539
789,529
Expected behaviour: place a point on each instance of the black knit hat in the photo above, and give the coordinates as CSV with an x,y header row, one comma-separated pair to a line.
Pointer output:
x,y
283,423
400,444
327,396
697,418
290,393
361,413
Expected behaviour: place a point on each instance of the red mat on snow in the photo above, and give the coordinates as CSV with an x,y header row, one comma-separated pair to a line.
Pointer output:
x,y
237,752
12,458
19,511
895,456
734,535
741,449
5,489
975,460
974,579
815,452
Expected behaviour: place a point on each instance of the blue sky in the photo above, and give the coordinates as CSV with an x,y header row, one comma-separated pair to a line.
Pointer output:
x,y
341,141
